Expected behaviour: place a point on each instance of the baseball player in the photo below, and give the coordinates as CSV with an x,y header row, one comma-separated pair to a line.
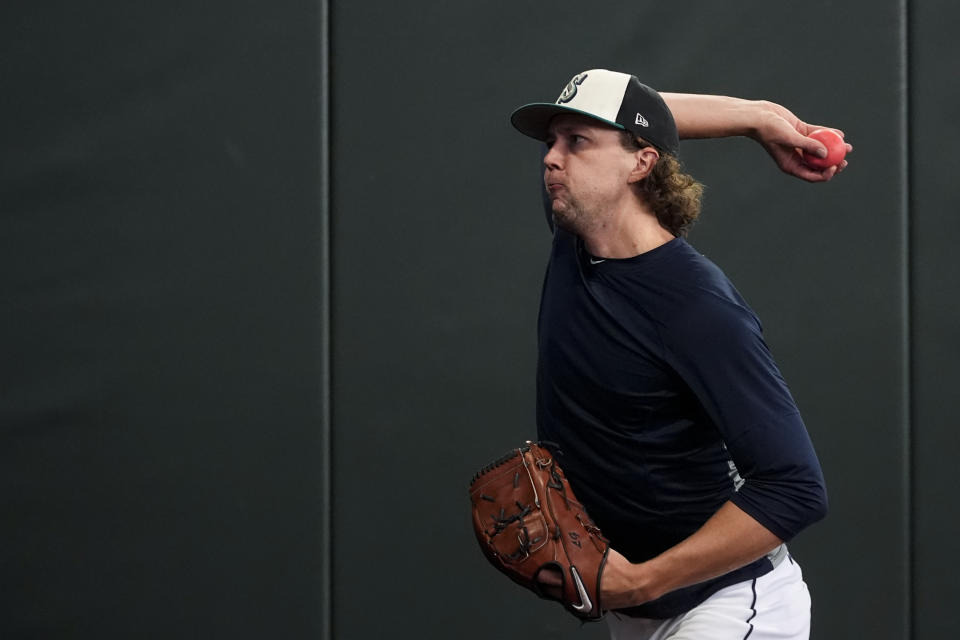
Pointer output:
x,y
677,430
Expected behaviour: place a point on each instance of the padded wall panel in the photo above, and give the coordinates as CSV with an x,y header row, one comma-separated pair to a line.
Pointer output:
x,y
934,129
160,237
439,248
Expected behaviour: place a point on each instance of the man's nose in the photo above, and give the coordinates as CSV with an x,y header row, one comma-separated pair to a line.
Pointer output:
x,y
553,159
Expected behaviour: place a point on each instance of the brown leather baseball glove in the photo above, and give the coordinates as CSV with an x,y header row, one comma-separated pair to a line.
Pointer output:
x,y
532,528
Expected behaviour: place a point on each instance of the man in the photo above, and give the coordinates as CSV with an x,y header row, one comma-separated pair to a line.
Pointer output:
x,y
674,425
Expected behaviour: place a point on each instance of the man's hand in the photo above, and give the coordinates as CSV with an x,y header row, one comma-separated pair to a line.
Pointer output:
x,y
621,585
784,136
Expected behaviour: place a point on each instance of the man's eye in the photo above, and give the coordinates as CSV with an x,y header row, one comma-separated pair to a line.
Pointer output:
x,y
575,139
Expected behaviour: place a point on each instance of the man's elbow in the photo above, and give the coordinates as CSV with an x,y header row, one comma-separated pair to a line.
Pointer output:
x,y
816,503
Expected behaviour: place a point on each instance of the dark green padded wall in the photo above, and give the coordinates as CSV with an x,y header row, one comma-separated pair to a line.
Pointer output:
x,y
934,129
163,241
439,249
161,329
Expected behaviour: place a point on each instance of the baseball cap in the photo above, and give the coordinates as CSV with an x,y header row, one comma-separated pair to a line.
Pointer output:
x,y
617,99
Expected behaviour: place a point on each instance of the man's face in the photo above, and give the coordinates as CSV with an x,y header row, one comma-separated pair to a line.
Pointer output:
x,y
586,171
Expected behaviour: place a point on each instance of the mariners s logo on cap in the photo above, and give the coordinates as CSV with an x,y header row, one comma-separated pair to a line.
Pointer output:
x,y
570,90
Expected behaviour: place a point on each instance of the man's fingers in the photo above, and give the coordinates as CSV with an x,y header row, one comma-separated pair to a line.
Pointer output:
x,y
815,147
793,164
550,580
811,146
796,138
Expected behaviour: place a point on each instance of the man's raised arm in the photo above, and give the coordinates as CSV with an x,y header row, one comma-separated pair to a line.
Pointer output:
x,y
776,128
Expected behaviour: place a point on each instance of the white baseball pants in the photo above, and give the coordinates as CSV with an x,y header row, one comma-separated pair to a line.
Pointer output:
x,y
772,607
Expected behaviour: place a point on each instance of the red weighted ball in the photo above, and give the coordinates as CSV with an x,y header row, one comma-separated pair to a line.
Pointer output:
x,y
836,149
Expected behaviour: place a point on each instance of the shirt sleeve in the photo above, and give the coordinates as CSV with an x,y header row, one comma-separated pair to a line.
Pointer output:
x,y
718,349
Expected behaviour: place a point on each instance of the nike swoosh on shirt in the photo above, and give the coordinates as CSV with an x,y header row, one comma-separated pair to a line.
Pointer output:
x,y
592,261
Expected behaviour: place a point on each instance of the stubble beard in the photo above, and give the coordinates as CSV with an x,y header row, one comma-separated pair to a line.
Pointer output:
x,y
570,215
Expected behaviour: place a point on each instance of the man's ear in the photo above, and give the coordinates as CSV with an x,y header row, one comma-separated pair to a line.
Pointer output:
x,y
645,160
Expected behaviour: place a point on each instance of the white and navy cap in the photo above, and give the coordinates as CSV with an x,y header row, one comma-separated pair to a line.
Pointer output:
x,y
617,99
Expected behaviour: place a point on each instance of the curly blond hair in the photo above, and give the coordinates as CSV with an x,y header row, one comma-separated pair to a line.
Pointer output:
x,y
673,195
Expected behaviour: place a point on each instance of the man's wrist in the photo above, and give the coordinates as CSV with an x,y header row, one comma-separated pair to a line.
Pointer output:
x,y
629,585
647,582
760,115
746,117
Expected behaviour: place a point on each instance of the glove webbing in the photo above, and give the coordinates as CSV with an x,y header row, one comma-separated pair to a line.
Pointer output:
x,y
501,521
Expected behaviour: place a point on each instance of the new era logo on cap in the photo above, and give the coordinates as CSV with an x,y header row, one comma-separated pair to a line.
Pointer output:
x,y
617,99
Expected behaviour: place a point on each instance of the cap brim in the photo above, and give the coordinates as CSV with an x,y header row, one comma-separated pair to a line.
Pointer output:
x,y
534,119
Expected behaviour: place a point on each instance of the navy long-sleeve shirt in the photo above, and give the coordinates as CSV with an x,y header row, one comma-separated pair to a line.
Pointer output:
x,y
656,384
